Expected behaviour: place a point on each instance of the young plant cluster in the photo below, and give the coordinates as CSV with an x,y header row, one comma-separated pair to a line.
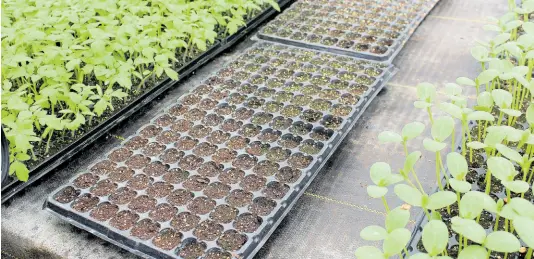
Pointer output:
x,y
484,207
67,64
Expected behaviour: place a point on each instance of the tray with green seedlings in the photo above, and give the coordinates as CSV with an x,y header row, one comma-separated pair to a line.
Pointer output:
x,y
368,29
215,174
67,80
483,206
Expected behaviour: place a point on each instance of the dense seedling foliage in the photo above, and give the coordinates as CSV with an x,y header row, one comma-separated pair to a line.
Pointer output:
x,y
66,64
484,206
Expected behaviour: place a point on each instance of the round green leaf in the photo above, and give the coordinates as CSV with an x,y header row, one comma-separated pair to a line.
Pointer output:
x,y
486,76
459,185
451,109
453,89
435,237
412,130
408,194
396,241
479,53
379,172
473,252
528,27
432,145
469,229
441,199
511,112
397,218
480,116
522,207
465,81
484,99
426,92
530,114
476,145
373,233
376,191
501,168
456,164
442,128
410,161
502,98
369,252
509,153
525,228
471,205
389,136
502,241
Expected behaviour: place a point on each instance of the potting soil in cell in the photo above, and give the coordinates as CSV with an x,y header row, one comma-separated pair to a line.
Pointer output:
x,y
362,28
215,173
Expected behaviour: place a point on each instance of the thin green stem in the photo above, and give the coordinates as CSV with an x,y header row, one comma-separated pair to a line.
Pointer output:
x,y
438,172
385,202
529,253
430,115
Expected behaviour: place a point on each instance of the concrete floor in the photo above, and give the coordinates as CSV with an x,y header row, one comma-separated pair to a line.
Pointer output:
x,y
326,221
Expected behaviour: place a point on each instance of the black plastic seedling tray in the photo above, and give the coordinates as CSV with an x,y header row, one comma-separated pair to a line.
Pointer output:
x,y
375,30
216,173
14,186
476,175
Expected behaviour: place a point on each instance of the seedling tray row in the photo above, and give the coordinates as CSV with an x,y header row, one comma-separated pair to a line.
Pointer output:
x,y
215,174
53,161
476,176
375,30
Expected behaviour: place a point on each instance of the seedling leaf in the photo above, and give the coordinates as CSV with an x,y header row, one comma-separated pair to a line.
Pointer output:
x,y
442,128
502,98
480,115
376,191
525,228
435,237
397,218
456,164
451,109
432,145
459,185
469,229
441,199
373,233
379,172
389,136
412,130
409,194
502,241
509,153
473,252
396,241
465,81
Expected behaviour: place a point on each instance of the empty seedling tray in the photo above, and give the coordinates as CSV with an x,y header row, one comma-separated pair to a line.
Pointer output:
x,y
369,29
215,173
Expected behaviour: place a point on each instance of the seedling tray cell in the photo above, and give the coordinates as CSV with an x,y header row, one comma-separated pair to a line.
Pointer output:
x,y
369,29
215,173
53,161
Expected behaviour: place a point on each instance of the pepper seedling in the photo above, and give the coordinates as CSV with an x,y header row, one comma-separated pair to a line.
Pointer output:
x,y
458,168
433,202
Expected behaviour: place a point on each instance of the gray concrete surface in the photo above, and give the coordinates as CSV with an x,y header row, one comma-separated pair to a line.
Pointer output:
x,y
326,221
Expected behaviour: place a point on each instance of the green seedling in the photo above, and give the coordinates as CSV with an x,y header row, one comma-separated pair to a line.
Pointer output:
x,y
523,161
409,132
440,131
435,238
382,178
433,202
426,93
394,236
457,166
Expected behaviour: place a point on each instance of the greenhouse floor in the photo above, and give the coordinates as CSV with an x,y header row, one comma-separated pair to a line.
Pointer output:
x,y
326,221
